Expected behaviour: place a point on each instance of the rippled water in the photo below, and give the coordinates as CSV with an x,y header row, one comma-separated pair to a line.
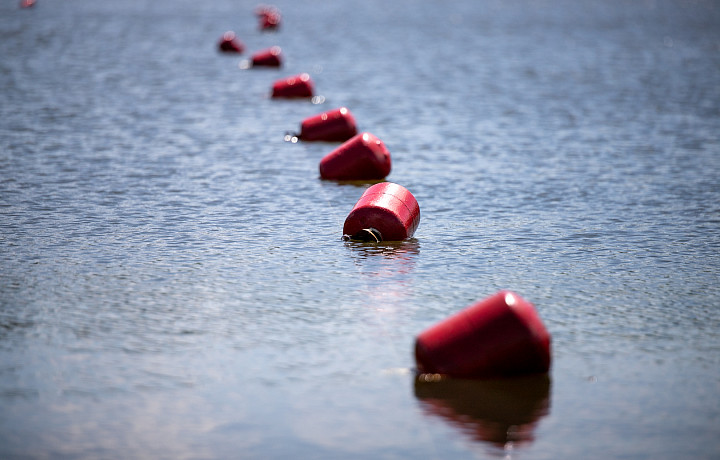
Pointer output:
x,y
172,279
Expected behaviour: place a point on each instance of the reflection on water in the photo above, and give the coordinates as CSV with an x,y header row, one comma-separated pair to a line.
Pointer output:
x,y
362,183
503,413
169,265
405,250
386,271
384,260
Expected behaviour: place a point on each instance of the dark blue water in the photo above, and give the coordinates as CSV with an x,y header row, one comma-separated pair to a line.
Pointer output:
x,y
172,279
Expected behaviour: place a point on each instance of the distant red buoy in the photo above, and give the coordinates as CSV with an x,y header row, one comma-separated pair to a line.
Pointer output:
x,y
270,22
364,157
385,212
336,125
268,17
267,58
293,87
27,3
499,336
229,43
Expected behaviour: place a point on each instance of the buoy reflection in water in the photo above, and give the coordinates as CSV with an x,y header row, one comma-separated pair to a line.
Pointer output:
x,y
385,271
501,412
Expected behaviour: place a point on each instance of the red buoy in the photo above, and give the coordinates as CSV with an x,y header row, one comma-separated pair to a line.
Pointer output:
x,y
268,17
270,22
499,336
385,212
364,157
293,87
229,43
27,3
267,58
336,125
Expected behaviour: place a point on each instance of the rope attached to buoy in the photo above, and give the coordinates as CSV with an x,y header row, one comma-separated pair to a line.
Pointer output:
x,y
367,235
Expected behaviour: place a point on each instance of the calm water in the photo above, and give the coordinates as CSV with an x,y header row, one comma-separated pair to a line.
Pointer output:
x,y
172,279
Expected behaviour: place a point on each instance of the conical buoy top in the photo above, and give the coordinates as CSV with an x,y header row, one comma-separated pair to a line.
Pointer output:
x,y
363,157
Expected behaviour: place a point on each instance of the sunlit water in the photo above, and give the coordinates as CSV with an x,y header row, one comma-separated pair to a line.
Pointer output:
x,y
173,283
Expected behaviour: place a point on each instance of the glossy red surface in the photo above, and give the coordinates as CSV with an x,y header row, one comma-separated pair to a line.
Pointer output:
x,y
297,86
333,125
229,43
271,57
364,157
501,335
390,208
268,18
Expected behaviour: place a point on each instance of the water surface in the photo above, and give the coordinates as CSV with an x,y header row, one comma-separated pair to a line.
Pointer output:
x,y
172,279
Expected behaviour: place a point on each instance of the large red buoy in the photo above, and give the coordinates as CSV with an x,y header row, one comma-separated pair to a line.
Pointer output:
x,y
229,43
501,335
336,125
267,58
27,3
293,87
364,157
385,212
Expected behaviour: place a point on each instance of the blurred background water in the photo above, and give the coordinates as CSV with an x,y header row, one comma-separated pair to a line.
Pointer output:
x,y
172,279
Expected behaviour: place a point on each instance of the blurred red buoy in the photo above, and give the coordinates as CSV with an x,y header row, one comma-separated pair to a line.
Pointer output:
x,y
364,157
267,58
270,21
268,17
499,336
27,3
229,43
385,212
293,87
336,125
